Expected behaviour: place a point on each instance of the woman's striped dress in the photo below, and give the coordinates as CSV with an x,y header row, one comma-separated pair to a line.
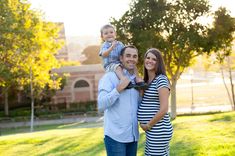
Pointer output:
x,y
158,138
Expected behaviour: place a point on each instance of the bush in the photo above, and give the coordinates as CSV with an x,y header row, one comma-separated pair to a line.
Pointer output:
x,y
59,110
84,106
24,111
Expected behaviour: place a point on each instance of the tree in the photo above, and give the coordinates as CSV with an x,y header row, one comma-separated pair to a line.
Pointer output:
x,y
171,26
27,45
92,55
221,36
11,29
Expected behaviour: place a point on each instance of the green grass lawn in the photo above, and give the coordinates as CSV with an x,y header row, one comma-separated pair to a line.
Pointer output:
x,y
201,135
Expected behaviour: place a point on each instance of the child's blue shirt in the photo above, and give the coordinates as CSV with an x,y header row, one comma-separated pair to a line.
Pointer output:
x,y
114,54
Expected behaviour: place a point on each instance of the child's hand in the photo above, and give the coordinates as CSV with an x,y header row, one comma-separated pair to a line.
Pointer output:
x,y
114,44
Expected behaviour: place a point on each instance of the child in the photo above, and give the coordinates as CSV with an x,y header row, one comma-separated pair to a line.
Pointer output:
x,y
110,52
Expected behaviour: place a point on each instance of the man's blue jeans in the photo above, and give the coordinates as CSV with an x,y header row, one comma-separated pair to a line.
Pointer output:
x,y
115,148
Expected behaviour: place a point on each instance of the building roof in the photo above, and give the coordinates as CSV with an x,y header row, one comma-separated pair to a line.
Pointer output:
x,y
81,68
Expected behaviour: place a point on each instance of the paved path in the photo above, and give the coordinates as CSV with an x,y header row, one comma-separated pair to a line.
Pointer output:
x,y
54,121
84,119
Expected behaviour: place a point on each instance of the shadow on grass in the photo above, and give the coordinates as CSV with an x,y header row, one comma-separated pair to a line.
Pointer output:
x,y
71,146
63,148
184,148
224,117
183,144
96,149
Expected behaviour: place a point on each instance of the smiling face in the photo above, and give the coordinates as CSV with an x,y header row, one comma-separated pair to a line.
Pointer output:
x,y
108,34
129,59
153,63
150,62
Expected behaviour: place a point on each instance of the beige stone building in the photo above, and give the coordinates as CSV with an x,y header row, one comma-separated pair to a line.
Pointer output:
x,y
81,84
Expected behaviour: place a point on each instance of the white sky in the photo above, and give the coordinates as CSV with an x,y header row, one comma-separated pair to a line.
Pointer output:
x,y
81,17
85,17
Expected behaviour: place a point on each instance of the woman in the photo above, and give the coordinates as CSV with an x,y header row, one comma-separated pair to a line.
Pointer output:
x,y
152,112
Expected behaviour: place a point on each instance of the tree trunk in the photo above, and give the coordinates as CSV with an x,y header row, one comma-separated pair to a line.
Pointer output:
x,y
32,101
173,98
6,105
231,83
226,87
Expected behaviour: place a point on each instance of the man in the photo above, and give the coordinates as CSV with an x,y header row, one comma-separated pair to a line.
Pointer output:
x,y
120,107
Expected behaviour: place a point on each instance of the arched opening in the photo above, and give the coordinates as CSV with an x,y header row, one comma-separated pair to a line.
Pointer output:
x,y
81,91
81,84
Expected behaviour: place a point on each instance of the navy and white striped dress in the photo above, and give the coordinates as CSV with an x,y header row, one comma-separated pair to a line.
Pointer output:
x,y
158,138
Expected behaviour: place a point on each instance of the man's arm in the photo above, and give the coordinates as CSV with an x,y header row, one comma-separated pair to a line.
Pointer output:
x,y
108,93
106,99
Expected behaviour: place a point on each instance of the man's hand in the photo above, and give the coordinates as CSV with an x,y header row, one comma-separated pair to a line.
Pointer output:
x,y
138,78
123,84
144,127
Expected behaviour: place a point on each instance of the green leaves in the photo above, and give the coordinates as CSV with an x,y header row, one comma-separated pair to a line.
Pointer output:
x,y
221,35
171,26
26,41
